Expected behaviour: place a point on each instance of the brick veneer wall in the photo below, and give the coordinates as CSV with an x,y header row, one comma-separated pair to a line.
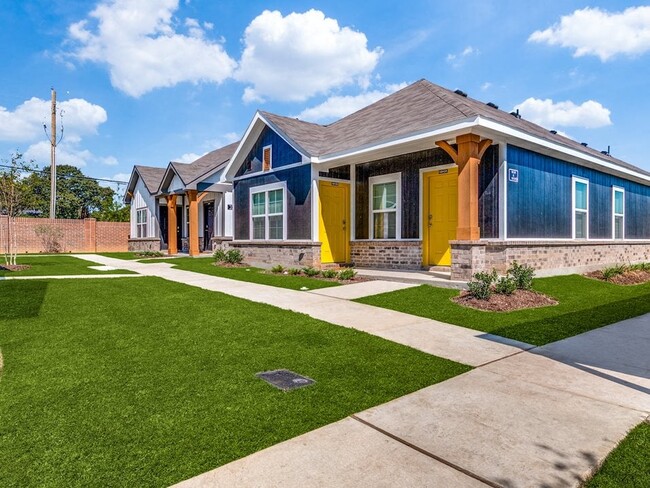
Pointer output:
x,y
86,235
386,254
548,257
266,254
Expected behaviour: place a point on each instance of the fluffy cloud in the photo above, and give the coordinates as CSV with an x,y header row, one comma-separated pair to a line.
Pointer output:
x,y
592,31
209,145
457,59
547,113
303,54
188,157
139,43
336,107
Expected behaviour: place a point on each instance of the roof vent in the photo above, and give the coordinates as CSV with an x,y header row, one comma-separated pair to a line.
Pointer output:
x,y
584,144
516,114
553,132
493,105
461,93
604,152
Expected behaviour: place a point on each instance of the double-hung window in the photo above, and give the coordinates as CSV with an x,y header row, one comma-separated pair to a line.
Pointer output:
x,y
618,213
385,197
141,223
580,199
268,213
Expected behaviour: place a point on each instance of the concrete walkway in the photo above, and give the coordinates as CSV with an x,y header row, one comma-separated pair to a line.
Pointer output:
x,y
540,417
448,341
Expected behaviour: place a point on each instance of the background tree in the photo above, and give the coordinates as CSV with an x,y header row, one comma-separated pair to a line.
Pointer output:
x,y
12,202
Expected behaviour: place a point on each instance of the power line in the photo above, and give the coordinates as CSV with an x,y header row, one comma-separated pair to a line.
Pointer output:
x,y
31,170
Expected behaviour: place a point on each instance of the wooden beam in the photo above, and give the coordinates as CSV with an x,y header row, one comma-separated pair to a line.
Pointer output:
x,y
172,223
193,238
482,147
201,196
448,149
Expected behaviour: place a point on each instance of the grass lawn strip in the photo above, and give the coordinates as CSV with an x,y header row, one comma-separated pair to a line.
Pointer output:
x,y
584,304
147,383
57,265
248,273
627,466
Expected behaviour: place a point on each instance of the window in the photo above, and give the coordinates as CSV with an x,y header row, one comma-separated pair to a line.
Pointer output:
x,y
266,158
267,213
618,213
141,223
385,215
580,208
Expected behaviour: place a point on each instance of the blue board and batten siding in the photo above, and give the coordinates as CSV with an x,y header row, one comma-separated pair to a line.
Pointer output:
x,y
540,204
282,153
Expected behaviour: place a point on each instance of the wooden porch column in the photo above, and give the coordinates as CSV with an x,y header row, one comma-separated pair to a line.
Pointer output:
x,y
172,222
193,243
468,156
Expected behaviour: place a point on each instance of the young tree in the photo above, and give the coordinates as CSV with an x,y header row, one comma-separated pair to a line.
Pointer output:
x,y
11,203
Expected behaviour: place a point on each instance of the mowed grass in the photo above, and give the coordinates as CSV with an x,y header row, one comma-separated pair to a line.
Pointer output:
x,y
56,265
146,382
130,256
247,273
584,304
627,466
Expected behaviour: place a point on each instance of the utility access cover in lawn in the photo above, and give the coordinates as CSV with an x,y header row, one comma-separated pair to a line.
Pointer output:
x,y
284,379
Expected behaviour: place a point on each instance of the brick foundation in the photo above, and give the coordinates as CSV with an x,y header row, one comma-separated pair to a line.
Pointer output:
x,y
266,254
146,244
547,257
387,254
86,235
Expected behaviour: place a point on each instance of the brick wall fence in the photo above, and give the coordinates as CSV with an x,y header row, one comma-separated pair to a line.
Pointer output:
x,y
86,235
547,257
266,254
386,254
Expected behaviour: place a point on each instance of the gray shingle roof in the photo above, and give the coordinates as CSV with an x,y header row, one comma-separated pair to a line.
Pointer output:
x,y
416,108
151,176
205,164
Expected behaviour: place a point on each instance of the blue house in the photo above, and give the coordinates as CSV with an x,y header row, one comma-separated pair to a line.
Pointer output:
x,y
428,177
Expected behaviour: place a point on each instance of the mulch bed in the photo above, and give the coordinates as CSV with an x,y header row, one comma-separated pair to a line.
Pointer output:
x,y
14,267
519,300
632,277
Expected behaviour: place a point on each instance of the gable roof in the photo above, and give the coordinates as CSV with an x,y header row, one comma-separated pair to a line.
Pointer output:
x,y
414,109
151,176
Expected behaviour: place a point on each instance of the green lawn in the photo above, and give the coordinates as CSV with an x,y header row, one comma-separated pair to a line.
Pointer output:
x,y
627,466
120,255
253,275
584,304
56,265
146,382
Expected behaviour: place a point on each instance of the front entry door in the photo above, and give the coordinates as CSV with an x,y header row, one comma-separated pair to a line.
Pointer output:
x,y
333,219
440,215
179,227
164,225
208,224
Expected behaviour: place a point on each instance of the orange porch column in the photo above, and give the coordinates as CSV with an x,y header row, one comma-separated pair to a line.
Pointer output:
x,y
172,222
194,223
468,156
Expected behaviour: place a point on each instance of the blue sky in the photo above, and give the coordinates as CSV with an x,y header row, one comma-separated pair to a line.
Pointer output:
x,y
146,82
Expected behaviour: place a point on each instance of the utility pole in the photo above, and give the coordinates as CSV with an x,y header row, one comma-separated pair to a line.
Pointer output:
x,y
53,160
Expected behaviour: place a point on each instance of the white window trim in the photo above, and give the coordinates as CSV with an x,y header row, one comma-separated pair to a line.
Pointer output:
x,y
270,148
144,225
389,178
617,189
574,180
282,185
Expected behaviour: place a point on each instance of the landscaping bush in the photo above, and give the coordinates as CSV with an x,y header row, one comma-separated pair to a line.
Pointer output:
x,y
311,272
481,286
640,267
347,274
234,256
611,272
277,269
219,255
51,237
149,254
329,273
506,285
522,275
294,271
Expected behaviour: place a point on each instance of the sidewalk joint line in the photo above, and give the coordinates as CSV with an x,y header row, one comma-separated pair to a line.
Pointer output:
x,y
466,472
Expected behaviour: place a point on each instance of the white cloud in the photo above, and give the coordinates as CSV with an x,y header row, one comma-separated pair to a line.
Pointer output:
x,y
188,157
25,122
336,107
593,31
301,55
210,145
486,86
457,59
547,113
139,43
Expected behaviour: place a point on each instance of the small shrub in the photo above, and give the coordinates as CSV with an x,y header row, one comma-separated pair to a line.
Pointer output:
x,y
234,256
311,272
505,285
522,275
329,273
609,273
639,267
277,269
149,254
294,271
219,255
346,274
50,236
481,286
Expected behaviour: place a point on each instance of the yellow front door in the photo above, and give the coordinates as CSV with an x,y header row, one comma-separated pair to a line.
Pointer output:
x,y
333,221
440,215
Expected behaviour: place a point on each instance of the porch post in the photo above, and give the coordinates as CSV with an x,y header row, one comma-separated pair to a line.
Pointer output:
x,y
172,222
193,238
